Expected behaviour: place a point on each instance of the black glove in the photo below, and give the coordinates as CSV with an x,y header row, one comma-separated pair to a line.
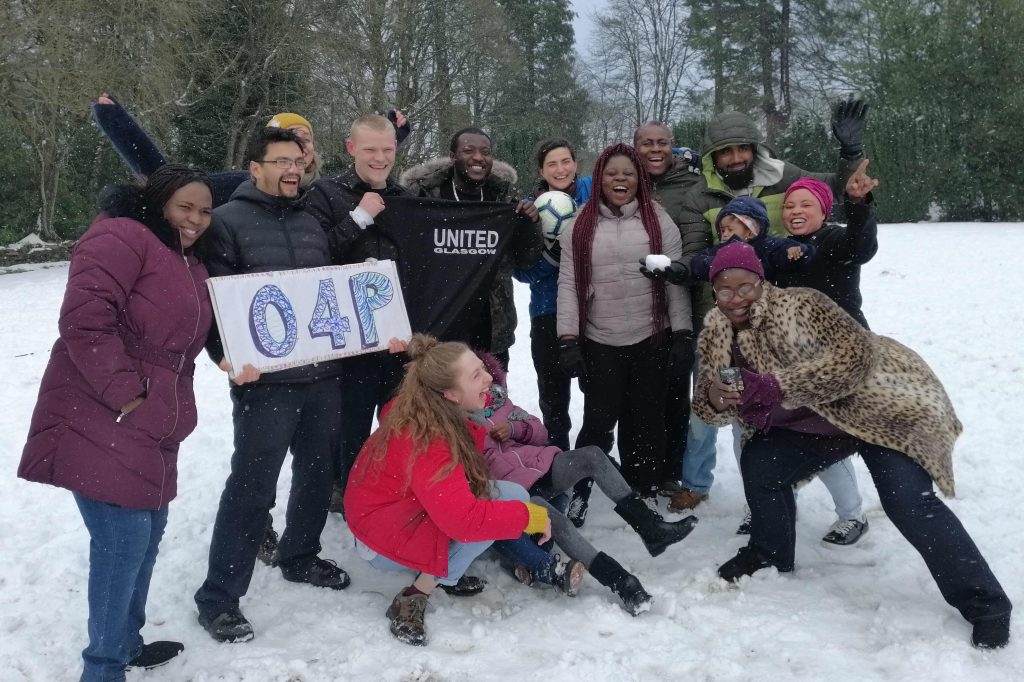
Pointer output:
x,y
848,126
676,272
401,132
570,359
681,354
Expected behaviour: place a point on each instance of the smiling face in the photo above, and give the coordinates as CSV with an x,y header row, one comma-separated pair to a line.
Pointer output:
x,y
188,212
559,169
471,383
374,154
734,159
802,214
653,143
472,157
735,291
279,182
618,182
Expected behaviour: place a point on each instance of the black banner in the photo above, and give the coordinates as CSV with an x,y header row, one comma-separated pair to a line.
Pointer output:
x,y
448,252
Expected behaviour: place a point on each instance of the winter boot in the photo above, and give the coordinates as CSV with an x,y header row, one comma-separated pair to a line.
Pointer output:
x,y
566,577
656,532
228,626
268,547
407,618
609,573
337,503
318,573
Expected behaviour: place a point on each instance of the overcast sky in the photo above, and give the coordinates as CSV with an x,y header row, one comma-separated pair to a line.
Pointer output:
x,y
584,23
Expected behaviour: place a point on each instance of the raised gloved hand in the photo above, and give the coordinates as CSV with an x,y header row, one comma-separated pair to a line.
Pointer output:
x,y
761,394
848,125
675,273
570,359
681,354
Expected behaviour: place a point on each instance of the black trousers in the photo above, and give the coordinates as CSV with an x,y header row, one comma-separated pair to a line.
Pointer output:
x,y
553,385
774,461
368,382
626,386
270,419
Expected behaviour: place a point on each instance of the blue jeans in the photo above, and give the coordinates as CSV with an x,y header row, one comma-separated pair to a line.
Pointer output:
x,y
773,461
700,456
123,544
462,554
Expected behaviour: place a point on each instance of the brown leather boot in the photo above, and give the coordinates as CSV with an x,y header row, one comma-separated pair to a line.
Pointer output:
x,y
406,614
685,499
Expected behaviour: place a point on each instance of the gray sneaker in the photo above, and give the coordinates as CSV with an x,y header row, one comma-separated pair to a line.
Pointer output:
x,y
846,532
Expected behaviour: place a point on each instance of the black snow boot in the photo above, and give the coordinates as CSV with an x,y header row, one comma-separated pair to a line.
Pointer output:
x,y
656,532
747,561
609,573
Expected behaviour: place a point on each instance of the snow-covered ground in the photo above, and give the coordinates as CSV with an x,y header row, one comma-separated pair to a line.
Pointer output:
x,y
869,612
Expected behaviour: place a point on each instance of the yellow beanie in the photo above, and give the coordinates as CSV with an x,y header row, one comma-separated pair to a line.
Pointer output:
x,y
286,120
538,518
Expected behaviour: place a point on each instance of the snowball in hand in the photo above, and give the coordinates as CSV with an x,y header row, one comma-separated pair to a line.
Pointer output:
x,y
657,262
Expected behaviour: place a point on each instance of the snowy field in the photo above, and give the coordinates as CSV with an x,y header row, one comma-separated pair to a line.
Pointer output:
x,y
868,612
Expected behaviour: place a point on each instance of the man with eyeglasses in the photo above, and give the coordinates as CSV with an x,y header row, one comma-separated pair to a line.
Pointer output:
x,y
261,229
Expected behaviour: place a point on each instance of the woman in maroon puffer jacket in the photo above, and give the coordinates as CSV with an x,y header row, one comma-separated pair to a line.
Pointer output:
x,y
116,398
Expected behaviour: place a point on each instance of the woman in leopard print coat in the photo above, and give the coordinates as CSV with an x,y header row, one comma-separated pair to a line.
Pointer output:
x,y
817,387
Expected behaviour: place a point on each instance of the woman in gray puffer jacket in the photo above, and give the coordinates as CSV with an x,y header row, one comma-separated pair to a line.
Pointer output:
x,y
613,322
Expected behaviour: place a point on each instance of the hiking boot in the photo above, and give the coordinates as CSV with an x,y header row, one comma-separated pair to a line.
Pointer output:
x,y
566,577
608,572
746,562
319,573
337,504
229,626
155,654
685,499
406,614
991,633
656,533
467,586
268,548
744,527
846,532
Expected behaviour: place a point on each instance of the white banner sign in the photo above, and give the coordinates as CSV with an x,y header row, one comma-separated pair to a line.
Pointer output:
x,y
277,320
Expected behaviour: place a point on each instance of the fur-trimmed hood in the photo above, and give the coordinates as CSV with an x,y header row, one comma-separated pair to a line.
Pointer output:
x,y
867,385
427,178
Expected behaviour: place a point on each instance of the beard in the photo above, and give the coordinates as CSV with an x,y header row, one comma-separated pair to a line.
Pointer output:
x,y
737,180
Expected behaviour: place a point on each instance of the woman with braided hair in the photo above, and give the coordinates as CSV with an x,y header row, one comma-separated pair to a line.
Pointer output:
x,y
613,323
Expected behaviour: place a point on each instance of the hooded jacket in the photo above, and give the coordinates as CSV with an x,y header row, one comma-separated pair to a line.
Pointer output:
x,y
258,232
427,179
772,177
866,385
134,317
771,251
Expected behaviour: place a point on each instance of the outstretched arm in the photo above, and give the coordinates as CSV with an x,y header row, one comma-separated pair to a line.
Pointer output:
x,y
126,136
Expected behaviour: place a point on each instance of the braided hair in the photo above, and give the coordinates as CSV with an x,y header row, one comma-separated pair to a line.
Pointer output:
x,y
586,225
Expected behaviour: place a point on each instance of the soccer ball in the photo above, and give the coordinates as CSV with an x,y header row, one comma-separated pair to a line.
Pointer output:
x,y
557,211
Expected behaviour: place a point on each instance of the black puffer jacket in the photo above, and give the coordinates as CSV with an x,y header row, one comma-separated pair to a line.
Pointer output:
x,y
257,232
331,200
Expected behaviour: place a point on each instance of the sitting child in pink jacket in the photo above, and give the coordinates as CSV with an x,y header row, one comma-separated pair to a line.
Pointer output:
x,y
516,449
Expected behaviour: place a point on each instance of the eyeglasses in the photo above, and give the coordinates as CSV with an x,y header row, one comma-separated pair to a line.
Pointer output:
x,y
726,295
285,164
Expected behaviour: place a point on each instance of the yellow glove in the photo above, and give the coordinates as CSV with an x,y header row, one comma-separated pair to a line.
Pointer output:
x,y
538,518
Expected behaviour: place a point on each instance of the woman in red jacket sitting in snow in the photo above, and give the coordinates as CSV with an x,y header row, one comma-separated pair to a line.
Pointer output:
x,y
419,496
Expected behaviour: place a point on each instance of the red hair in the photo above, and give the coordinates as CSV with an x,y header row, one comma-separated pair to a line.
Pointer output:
x,y
586,224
